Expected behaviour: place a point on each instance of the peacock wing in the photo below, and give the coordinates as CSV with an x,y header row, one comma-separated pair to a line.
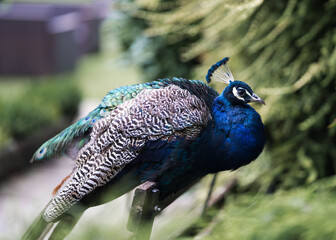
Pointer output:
x,y
73,138
118,138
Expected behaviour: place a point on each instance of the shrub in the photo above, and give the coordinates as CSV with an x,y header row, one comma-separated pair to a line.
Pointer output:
x,y
41,105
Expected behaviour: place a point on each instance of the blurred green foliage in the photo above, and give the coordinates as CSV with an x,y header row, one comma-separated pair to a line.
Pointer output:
x,y
285,50
38,106
156,56
294,214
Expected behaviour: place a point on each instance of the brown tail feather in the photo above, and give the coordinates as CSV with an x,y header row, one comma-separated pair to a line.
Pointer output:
x,y
60,185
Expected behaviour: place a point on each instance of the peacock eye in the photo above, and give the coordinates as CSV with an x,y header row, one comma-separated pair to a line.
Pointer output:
x,y
241,92
41,152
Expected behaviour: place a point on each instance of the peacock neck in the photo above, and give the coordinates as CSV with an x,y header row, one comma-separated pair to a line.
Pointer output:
x,y
225,114
233,138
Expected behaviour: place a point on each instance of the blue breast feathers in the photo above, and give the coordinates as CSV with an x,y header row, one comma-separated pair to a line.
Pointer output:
x,y
236,137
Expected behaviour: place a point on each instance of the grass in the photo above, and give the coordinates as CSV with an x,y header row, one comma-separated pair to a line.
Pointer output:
x,y
11,87
98,74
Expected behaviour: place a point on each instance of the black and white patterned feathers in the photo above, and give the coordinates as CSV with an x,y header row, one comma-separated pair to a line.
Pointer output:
x,y
117,139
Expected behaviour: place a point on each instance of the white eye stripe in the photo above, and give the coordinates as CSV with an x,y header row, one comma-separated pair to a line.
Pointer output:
x,y
235,93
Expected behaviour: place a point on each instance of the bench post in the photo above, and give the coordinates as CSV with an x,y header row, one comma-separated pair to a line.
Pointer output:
x,y
143,210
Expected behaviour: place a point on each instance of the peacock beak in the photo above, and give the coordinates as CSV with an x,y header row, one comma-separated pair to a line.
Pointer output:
x,y
257,99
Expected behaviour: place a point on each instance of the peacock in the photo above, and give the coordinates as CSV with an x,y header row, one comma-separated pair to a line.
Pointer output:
x,y
171,131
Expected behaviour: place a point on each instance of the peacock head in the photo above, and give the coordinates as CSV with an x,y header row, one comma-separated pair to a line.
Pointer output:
x,y
241,93
237,92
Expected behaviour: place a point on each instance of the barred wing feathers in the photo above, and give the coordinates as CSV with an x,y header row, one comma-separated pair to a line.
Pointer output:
x,y
119,137
73,138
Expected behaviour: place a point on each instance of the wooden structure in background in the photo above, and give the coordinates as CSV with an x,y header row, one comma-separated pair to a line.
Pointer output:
x,y
43,38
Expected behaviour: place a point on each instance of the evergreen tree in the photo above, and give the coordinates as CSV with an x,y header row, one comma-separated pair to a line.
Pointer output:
x,y
156,56
285,49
